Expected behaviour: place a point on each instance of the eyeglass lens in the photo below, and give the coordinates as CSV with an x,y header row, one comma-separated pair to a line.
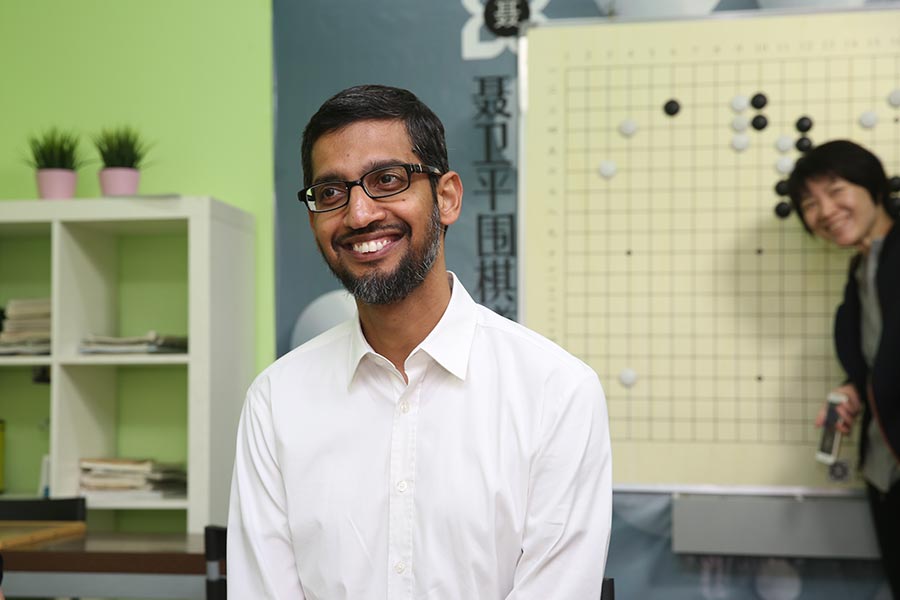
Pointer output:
x,y
379,183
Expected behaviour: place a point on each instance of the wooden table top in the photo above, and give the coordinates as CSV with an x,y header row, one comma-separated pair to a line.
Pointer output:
x,y
21,533
156,553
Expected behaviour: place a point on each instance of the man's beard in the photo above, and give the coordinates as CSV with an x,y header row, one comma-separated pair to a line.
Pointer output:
x,y
379,287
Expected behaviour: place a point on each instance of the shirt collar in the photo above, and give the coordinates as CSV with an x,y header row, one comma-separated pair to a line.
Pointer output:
x,y
449,343
359,348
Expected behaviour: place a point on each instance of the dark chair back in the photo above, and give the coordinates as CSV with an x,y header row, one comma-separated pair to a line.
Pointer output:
x,y
214,539
43,509
608,591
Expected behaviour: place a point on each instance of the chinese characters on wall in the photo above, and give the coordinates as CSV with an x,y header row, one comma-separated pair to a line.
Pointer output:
x,y
496,198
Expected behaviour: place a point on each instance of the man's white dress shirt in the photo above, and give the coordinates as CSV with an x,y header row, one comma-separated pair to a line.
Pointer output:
x,y
488,476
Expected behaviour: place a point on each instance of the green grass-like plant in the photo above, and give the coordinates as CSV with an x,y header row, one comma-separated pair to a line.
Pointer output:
x,y
54,149
121,147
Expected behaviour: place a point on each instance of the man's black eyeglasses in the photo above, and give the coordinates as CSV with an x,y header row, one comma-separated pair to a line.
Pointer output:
x,y
379,183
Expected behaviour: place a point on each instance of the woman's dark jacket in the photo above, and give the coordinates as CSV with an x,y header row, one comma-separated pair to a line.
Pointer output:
x,y
885,373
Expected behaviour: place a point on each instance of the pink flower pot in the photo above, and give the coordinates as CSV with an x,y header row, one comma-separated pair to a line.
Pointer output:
x,y
55,184
119,181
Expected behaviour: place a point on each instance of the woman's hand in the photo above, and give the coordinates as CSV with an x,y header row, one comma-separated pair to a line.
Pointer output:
x,y
847,411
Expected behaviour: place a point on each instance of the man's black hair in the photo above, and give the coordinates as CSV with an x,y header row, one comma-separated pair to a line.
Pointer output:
x,y
838,158
378,102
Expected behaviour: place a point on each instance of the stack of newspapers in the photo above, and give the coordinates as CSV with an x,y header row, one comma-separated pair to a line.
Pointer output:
x,y
25,327
123,478
149,343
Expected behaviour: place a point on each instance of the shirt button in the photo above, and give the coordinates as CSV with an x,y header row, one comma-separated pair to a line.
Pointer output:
x,y
404,407
402,486
400,567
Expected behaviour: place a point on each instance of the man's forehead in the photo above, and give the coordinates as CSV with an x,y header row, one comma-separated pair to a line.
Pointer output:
x,y
390,130
378,139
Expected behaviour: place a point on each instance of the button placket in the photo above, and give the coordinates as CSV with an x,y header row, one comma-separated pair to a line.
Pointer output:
x,y
401,501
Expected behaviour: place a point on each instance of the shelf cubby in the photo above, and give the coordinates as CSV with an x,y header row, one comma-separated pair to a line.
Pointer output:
x,y
123,267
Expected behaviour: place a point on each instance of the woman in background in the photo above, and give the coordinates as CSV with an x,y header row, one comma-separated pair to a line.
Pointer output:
x,y
840,192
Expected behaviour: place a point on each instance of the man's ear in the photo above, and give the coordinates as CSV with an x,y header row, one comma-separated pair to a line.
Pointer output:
x,y
449,197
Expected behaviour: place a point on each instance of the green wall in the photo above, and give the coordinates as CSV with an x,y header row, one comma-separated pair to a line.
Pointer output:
x,y
25,406
194,76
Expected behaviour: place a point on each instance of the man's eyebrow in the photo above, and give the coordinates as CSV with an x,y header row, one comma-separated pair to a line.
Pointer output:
x,y
334,176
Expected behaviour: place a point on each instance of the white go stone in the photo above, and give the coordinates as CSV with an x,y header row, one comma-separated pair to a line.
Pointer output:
x,y
627,377
784,143
894,98
739,123
740,103
628,127
607,168
784,165
740,142
868,119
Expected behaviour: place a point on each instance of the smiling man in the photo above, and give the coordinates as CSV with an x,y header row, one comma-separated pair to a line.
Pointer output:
x,y
429,448
840,190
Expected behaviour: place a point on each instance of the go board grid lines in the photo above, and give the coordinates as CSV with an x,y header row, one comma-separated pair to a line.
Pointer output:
x,y
662,418
654,252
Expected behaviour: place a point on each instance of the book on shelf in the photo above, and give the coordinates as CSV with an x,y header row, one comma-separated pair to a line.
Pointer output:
x,y
108,496
126,484
29,348
25,326
118,479
150,343
20,337
27,308
151,337
128,349
128,465
32,324
126,478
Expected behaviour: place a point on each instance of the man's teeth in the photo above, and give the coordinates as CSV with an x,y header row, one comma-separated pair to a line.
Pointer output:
x,y
366,247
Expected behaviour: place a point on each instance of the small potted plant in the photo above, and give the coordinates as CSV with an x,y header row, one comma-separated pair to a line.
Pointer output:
x,y
54,155
122,151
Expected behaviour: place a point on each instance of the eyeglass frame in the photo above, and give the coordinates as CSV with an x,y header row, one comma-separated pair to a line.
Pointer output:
x,y
409,167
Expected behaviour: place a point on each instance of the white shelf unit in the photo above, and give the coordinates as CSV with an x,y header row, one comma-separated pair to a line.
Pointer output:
x,y
86,297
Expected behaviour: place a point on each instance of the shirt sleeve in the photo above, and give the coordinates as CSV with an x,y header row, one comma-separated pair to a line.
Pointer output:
x,y
260,557
569,515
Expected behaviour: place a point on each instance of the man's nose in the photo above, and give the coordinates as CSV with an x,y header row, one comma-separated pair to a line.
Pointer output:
x,y
362,209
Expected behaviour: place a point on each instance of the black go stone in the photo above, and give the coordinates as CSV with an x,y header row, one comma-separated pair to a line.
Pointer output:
x,y
781,188
672,107
759,122
804,124
803,144
759,101
783,210
894,182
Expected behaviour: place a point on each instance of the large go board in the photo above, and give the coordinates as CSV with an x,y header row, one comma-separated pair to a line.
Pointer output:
x,y
650,241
